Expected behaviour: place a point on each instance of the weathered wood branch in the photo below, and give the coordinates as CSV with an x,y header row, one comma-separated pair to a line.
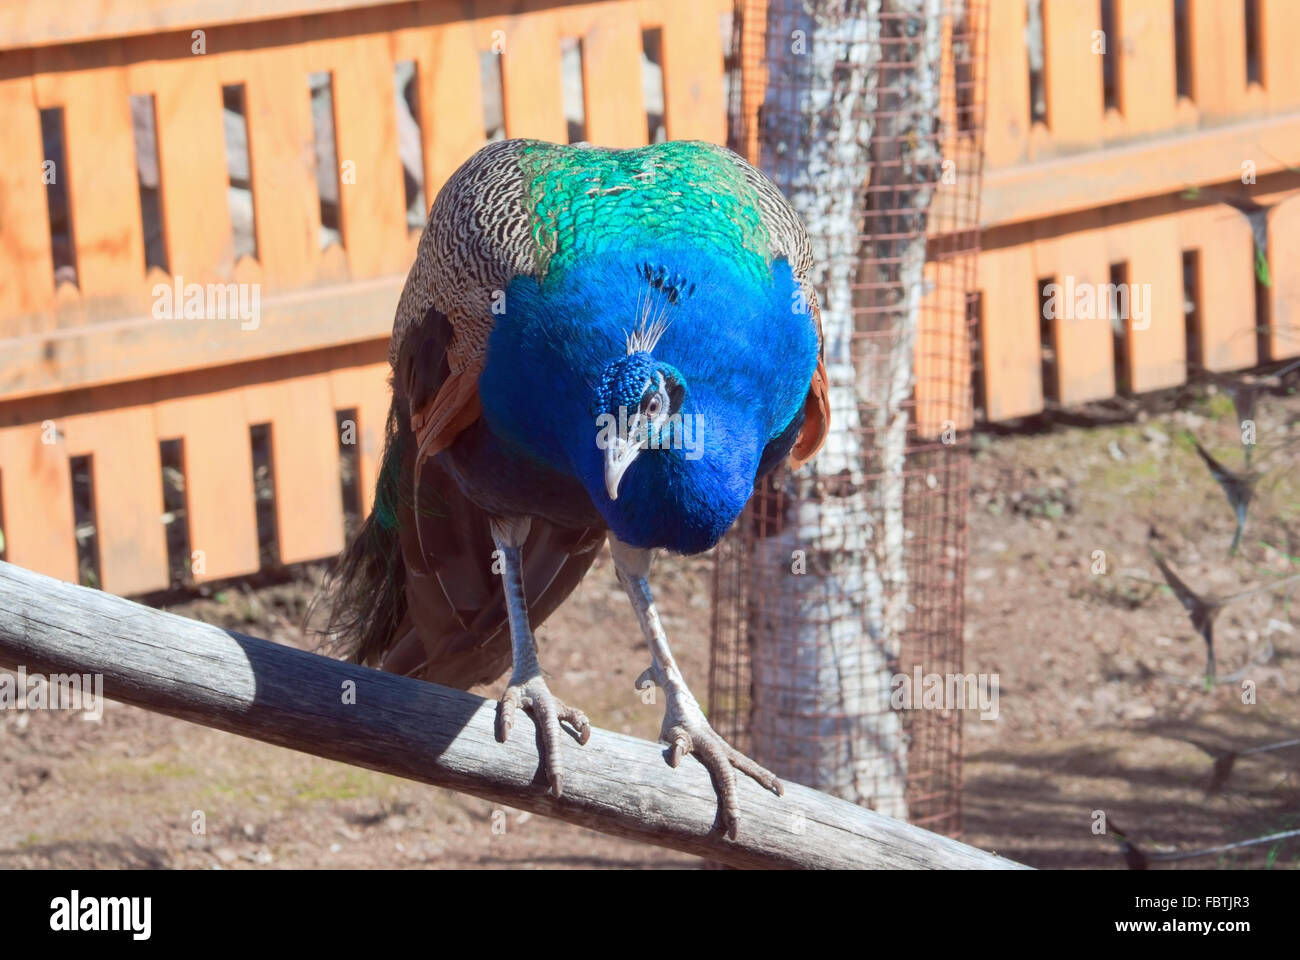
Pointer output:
x,y
616,784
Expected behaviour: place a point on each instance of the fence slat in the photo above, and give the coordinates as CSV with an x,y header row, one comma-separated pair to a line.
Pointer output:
x,y
1084,347
1011,355
1158,353
194,179
942,355
1217,33
1075,103
615,103
692,55
1144,49
1006,137
36,497
1225,289
127,481
99,152
281,145
1284,304
450,97
753,62
305,461
1279,27
218,477
365,388
373,206
26,262
532,87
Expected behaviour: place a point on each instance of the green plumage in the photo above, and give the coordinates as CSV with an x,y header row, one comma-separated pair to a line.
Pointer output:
x,y
584,201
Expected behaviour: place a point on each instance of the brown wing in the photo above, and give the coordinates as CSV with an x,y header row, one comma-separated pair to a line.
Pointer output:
x,y
453,629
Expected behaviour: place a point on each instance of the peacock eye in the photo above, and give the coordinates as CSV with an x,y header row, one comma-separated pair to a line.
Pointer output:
x,y
652,408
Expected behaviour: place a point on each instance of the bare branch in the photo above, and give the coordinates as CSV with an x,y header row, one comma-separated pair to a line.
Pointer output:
x,y
421,731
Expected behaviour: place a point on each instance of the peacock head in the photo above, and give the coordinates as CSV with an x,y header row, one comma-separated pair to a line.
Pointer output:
x,y
640,405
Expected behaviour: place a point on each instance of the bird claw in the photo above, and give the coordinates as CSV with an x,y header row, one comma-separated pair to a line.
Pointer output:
x,y
547,712
686,731
646,679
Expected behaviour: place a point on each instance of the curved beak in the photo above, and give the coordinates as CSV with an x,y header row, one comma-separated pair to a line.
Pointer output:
x,y
620,454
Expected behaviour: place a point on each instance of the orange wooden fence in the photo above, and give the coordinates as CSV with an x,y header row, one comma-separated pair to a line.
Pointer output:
x,y
1109,167
88,370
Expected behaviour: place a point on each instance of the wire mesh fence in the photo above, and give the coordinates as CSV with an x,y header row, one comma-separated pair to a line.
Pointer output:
x,y
838,597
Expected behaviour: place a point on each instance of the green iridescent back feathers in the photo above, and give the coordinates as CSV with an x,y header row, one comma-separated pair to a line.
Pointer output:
x,y
586,201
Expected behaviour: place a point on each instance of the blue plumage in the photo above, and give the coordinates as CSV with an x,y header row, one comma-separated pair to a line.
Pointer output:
x,y
742,353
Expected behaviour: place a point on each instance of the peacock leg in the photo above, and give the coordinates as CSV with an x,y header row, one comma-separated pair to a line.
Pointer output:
x,y
527,688
685,728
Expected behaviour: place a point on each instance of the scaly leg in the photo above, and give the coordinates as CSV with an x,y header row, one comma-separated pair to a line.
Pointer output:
x,y
685,728
527,689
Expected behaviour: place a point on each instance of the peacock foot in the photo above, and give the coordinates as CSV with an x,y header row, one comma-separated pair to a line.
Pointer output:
x,y
547,711
685,730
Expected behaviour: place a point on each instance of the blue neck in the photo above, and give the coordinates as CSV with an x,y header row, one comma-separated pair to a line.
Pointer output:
x,y
746,358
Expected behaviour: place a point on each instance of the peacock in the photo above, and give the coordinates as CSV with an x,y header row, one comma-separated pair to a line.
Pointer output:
x,y
591,344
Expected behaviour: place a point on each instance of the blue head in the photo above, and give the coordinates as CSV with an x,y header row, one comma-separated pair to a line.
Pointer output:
x,y
655,378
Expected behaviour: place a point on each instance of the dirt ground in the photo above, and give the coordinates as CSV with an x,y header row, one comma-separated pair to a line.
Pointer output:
x,y
1103,704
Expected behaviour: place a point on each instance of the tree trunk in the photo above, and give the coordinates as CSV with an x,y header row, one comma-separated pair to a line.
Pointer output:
x,y
822,668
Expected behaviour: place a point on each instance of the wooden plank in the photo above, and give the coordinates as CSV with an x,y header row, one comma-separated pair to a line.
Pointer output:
x,y
1167,164
188,111
1085,354
76,21
26,262
36,495
692,54
1284,302
372,196
1006,135
949,138
1157,341
281,145
365,388
103,185
305,461
1144,52
1073,80
532,88
1012,358
1217,34
1278,29
753,70
218,467
127,478
942,357
1225,295
451,100
423,731
615,106
144,347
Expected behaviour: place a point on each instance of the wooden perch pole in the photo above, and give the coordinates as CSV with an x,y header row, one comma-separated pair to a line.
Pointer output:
x,y
616,784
